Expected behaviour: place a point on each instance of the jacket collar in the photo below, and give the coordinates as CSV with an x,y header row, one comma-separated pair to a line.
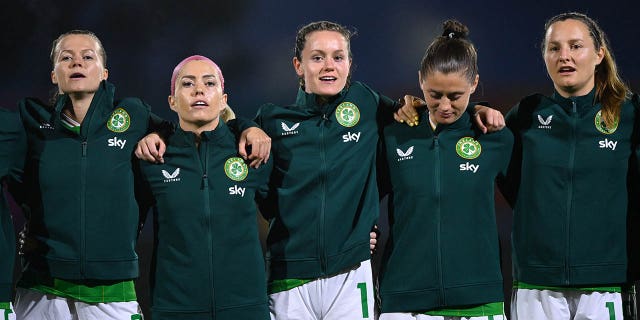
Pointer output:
x,y
188,138
310,100
582,102
462,122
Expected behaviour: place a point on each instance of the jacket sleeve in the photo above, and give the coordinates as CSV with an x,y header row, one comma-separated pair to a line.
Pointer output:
x,y
143,194
509,181
160,126
9,137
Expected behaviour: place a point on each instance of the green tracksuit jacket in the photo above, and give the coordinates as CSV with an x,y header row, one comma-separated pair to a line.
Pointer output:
x,y
9,133
443,248
207,261
323,197
78,189
568,180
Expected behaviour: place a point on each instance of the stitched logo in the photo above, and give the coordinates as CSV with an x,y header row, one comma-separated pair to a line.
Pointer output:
x,y
347,114
545,123
119,121
404,155
468,148
289,130
602,127
236,169
171,177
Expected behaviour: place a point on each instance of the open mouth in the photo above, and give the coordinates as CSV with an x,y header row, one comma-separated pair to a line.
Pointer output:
x,y
328,79
77,75
566,70
199,104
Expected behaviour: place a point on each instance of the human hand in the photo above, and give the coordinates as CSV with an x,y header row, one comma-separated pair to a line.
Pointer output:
x,y
151,148
260,144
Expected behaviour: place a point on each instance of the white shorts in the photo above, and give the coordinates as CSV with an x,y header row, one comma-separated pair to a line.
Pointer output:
x,y
7,314
347,295
35,305
537,304
418,316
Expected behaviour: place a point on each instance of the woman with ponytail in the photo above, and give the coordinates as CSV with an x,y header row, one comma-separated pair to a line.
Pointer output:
x,y
440,179
574,161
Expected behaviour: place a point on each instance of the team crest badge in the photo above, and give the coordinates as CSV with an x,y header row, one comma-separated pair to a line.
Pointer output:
x,y
468,148
236,169
347,114
119,121
602,127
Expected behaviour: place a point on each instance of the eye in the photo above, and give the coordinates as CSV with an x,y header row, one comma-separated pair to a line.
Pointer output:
x,y
576,46
553,49
454,97
316,58
339,58
210,83
435,95
187,83
87,57
65,58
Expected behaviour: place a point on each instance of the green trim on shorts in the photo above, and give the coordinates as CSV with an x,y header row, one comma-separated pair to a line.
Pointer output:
x,y
523,285
489,309
276,286
89,291
5,305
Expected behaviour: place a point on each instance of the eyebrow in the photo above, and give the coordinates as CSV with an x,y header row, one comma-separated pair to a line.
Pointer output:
x,y
194,77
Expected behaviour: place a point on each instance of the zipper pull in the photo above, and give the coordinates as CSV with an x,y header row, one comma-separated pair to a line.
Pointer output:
x,y
84,148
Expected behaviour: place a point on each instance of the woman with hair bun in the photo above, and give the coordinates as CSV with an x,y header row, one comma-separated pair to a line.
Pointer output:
x,y
442,259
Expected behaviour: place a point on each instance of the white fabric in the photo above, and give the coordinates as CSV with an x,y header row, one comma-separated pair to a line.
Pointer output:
x,y
338,297
35,305
8,314
417,316
533,304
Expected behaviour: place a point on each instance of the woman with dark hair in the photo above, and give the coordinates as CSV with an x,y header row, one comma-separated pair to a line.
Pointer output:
x,y
442,259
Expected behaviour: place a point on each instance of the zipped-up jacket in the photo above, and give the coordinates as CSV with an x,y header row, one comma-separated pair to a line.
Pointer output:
x,y
78,189
323,197
443,248
9,133
568,183
207,261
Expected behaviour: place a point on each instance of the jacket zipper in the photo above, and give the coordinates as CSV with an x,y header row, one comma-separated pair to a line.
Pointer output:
x,y
438,194
572,151
83,207
323,187
203,155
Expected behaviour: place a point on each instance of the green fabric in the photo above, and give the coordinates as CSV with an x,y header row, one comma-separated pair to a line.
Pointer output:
x,y
285,284
90,291
5,305
489,309
523,285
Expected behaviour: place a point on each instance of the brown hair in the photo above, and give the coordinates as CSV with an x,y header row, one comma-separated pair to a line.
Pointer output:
x,y
451,52
301,39
610,89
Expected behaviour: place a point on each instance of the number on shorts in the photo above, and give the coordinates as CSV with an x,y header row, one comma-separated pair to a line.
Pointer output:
x,y
612,312
136,317
7,312
363,298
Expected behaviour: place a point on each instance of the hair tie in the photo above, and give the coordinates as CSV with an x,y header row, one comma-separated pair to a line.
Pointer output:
x,y
451,35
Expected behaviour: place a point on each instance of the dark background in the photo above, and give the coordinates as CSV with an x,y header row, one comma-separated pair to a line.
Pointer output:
x,y
252,42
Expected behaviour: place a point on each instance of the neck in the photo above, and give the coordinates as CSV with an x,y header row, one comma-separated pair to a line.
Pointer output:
x,y
199,128
80,103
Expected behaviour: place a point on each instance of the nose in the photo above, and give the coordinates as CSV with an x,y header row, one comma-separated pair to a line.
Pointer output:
x,y
77,61
445,104
198,89
328,64
565,54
